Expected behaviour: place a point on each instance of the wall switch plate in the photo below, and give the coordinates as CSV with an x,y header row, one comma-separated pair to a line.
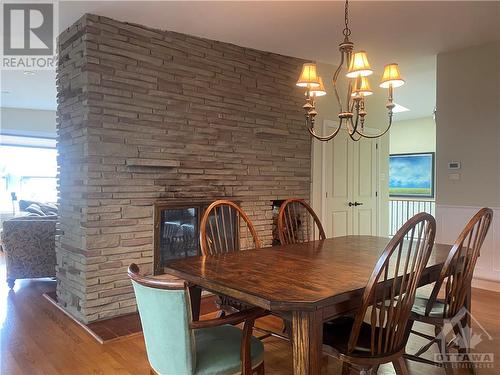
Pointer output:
x,y
454,176
454,165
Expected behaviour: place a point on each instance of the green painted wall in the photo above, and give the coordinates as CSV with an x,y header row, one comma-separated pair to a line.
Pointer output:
x,y
412,136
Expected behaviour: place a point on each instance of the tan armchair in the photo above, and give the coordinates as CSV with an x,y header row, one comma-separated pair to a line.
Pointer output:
x,y
29,246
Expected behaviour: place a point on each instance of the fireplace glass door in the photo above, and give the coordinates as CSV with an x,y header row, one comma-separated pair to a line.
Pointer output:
x,y
176,233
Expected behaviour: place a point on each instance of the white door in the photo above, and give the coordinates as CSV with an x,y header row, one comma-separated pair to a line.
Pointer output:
x,y
350,185
365,185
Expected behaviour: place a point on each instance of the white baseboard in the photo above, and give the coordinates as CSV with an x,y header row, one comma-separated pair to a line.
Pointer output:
x,y
493,286
450,222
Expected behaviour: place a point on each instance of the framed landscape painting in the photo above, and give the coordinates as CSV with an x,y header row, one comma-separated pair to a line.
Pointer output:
x,y
411,175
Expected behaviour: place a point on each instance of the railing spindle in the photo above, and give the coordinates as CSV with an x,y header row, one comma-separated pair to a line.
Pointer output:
x,y
400,210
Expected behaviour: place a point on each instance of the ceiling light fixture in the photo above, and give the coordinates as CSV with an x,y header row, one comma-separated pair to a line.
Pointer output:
x,y
358,68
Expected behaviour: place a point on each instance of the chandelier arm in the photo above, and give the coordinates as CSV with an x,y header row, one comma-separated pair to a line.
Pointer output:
x,y
351,108
355,123
354,131
339,68
380,134
323,138
353,138
350,101
334,81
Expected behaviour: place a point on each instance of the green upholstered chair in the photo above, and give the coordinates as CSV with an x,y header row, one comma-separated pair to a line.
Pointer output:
x,y
177,345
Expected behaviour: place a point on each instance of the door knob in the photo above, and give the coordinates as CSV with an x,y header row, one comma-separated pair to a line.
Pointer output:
x,y
355,204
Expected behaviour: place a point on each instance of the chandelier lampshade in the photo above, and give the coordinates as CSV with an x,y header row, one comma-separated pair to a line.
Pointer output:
x,y
362,87
320,90
308,76
359,65
391,76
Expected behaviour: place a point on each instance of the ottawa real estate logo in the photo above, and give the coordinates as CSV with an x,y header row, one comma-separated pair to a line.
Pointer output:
x,y
465,341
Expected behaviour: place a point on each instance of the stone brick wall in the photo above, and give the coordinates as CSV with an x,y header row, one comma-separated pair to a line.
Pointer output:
x,y
72,115
147,115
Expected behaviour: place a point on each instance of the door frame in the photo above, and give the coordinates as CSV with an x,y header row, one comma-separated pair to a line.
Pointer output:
x,y
324,125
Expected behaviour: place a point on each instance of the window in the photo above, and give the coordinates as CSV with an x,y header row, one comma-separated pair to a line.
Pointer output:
x,y
27,171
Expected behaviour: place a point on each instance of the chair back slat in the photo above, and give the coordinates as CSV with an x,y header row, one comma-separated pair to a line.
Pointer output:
x,y
298,223
225,227
390,292
458,269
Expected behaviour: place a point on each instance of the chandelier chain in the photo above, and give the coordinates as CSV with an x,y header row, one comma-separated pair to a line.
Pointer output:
x,y
347,30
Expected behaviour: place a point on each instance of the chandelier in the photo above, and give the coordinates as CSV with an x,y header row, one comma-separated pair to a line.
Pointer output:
x,y
352,113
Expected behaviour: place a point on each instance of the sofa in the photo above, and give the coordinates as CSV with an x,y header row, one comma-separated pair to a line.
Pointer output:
x,y
29,246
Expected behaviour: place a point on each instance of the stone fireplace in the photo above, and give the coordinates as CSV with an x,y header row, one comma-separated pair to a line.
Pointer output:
x,y
150,119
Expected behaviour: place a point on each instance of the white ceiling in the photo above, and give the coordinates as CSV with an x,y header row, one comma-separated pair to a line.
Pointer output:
x,y
409,32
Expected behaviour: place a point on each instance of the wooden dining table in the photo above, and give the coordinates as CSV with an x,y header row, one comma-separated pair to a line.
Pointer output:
x,y
308,283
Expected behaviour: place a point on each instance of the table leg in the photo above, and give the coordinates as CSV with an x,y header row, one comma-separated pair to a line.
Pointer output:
x,y
307,341
195,295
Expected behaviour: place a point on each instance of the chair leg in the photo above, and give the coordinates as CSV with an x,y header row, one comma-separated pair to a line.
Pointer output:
x,y
463,334
443,349
367,371
287,328
260,370
464,346
345,368
400,366
425,348
11,282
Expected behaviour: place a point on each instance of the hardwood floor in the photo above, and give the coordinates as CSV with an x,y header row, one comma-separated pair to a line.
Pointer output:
x,y
36,338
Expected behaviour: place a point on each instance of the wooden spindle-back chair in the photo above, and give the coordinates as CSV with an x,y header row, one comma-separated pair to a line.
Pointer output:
x,y
454,282
386,303
298,223
225,227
